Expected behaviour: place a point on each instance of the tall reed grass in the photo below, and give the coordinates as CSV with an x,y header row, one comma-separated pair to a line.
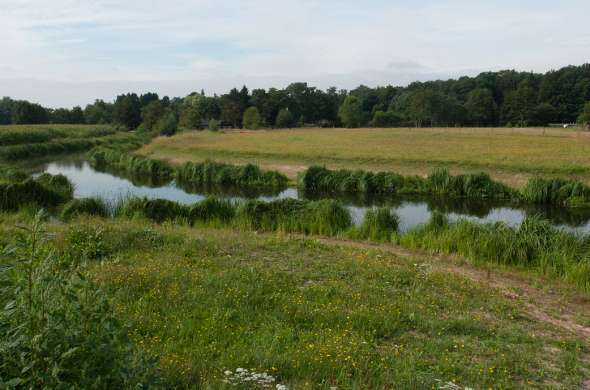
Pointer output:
x,y
379,224
46,191
210,173
535,245
86,206
135,164
440,182
557,192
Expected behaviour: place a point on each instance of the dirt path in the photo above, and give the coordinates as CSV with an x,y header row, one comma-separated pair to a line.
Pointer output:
x,y
548,306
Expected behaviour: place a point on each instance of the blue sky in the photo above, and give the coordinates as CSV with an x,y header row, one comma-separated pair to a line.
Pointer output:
x,y
66,52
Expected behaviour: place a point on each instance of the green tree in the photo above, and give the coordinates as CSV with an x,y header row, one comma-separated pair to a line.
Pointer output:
x,y
127,111
24,112
584,118
252,120
152,113
351,112
284,119
6,105
543,114
481,107
99,112
167,124
386,119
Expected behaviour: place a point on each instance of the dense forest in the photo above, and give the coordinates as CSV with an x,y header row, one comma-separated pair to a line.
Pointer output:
x,y
504,98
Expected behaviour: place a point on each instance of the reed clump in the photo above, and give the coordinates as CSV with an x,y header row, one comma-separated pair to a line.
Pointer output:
x,y
134,164
557,192
158,210
324,217
379,224
535,245
440,182
212,210
45,191
211,173
86,206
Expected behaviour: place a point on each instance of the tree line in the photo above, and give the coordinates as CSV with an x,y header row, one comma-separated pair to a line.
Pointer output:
x,y
504,98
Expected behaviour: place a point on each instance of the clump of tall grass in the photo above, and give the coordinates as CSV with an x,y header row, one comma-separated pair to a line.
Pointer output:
x,y
85,206
158,210
556,191
440,182
379,224
57,183
212,210
135,164
45,191
535,245
325,217
210,173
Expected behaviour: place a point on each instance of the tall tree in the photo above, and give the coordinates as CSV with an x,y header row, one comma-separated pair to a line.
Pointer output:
x,y
481,107
351,112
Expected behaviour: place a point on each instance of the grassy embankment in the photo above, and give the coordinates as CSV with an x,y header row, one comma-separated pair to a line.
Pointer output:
x,y
312,315
511,156
19,144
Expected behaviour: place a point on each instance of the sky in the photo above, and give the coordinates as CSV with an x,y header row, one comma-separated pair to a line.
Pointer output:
x,y
69,52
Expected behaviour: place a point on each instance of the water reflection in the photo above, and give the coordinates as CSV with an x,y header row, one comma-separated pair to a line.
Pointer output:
x,y
112,185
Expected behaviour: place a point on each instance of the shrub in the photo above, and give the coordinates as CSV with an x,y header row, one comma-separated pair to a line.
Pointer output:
x,y
56,328
167,125
214,125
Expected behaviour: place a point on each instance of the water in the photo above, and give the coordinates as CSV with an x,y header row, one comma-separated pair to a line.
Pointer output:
x,y
412,212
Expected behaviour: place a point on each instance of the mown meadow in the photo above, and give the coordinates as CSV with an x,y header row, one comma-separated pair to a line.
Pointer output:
x,y
509,155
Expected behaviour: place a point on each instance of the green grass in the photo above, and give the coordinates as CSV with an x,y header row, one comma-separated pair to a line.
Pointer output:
x,y
315,316
511,156
535,245
86,206
44,191
133,164
30,134
209,173
439,182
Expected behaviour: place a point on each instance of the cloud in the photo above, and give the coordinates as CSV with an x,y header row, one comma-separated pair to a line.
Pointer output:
x,y
331,42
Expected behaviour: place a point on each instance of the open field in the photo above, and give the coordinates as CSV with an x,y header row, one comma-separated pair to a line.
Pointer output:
x,y
509,155
318,314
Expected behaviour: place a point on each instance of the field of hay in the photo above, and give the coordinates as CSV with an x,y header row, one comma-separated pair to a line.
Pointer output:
x,y
509,155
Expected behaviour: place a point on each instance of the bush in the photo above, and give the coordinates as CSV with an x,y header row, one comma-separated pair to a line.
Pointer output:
x,y
214,125
56,328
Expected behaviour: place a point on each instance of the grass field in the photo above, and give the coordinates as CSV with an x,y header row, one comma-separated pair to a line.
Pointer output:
x,y
316,314
509,155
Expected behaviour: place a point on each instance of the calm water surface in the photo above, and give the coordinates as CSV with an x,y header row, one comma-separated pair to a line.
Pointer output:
x,y
412,212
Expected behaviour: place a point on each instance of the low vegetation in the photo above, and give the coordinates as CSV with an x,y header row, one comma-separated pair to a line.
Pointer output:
x,y
510,156
440,182
127,304
44,191
134,164
534,245
209,173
